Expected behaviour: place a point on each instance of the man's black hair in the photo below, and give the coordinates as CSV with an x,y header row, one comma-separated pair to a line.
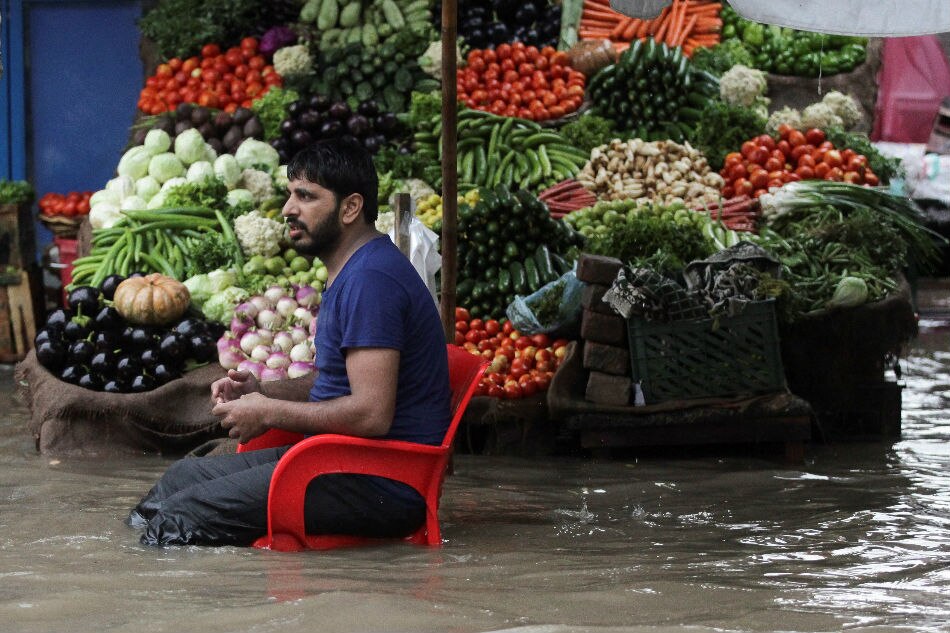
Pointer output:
x,y
344,167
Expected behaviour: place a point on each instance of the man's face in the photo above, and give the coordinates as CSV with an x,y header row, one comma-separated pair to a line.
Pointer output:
x,y
313,217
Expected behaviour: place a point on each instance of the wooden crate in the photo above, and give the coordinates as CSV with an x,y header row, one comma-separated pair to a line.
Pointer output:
x,y
17,324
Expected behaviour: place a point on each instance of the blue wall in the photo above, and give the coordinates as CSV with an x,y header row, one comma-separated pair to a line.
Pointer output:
x,y
72,76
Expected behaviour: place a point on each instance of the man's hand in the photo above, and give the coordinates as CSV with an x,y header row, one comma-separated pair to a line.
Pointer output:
x,y
244,417
237,384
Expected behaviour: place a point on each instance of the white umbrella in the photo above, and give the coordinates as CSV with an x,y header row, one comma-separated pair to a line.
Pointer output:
x,y
880,18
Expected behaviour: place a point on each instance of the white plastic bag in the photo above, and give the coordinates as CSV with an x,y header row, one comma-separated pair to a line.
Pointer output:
x,y
423,253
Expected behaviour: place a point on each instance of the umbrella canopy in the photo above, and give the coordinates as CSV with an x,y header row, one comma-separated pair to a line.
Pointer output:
x,y
884,18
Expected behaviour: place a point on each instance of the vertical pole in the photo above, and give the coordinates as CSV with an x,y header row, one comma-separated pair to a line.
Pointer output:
x,y
449,168
403,213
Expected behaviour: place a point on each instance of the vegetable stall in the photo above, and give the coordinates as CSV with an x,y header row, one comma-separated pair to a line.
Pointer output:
x,y
577,133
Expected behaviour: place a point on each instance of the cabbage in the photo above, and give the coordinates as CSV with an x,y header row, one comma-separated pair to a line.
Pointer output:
x,y
237,196
122,186
190,146
203,286
850,292
254,154
199,171
157,200
227,169
104,215
173,182
134,163
220,306
146,187
132,203
157,142
105,195
165,166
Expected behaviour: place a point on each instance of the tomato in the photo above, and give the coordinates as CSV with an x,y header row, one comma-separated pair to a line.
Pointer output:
x,y
836,174
853,177
856,162
871,179
541,340
542,380
814,136
833,158
747,148
784,130
489,56
738,170
503,51
759,179
461,326
494,391
529,387
805,172
492,327
774,164
796,138
249,43
733,157
742,187
471,336
513,390
759,156
766,141
821,170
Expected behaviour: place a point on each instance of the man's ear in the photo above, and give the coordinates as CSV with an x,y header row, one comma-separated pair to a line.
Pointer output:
x,y
351,208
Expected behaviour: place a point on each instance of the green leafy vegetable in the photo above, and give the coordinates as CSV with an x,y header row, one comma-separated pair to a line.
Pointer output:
x,y
885,167
723,56
722,128
271,109
16,192
588,132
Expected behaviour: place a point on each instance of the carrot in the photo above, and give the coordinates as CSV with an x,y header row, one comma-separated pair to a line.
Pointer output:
x,y
631,30
617,32
591,34
603,3
676,23
686,30
621,46
712,7
608,14
664,25
707,25
642,29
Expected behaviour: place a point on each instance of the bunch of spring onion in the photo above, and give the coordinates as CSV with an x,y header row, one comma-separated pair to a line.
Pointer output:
x,y
271,334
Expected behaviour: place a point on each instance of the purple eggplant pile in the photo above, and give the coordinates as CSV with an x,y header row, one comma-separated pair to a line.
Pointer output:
x,y
87,343
488,23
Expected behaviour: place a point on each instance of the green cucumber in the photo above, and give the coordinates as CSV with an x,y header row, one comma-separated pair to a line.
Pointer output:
x,y
533,279
519,282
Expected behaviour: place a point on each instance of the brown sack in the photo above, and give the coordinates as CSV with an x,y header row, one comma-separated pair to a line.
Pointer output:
x,y
590,56
68,420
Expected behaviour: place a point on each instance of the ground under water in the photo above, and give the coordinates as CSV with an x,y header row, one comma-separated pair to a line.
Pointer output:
x,y
857,537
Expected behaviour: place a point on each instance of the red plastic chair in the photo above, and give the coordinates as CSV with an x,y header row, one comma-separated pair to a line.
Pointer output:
x,y
421,466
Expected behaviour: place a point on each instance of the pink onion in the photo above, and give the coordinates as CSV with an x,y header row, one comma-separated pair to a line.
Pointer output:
x,y
298,369
229,352
303,316
239,326
277,359
308,296
252,366
246,311
313,327
267,337
269,319
260,302
301,352
283,340
274,294
286,306
261,352
250,340
299,333
269,374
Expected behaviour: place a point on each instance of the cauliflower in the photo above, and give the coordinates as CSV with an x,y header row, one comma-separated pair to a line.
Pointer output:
x,y
385,221
258,235
104,215
820,115
743,86
431,60
259,183
787,115
845,106
293,61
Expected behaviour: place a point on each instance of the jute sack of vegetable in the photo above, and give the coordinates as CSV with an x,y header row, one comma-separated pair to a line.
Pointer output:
x,y
68,420
553,309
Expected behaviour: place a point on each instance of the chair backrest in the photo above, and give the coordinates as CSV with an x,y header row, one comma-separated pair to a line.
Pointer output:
x,y
465,370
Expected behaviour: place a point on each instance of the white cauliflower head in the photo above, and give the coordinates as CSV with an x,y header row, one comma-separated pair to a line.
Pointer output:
x,y
786,115
293,61
845,106
259,183
820,115
742,86
259,235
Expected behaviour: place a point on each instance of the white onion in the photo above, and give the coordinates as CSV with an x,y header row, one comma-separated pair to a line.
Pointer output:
x,y
284,340
251,366
277,360
301,352
286,306
274,294
298,369
267,337
260,302
269,374
260,352
303,316
307,296
299,333
269,319
249,341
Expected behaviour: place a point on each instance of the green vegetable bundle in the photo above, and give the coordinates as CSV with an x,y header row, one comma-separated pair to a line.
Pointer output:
x,y
367,22
787,51
508,245
16,192
652,92
495,150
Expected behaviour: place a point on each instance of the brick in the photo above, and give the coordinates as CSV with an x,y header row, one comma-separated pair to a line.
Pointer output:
x,y
597,269
606,389
609,329
592,298
607,359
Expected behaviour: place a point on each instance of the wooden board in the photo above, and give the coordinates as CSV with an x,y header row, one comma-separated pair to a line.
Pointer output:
x,y
17,323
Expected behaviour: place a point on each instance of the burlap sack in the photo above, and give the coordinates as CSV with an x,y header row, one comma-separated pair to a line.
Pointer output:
x,y
67,420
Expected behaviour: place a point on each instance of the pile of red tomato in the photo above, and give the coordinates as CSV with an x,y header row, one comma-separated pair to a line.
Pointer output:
x,y
65,204
763,163
521,81
225,80
521,365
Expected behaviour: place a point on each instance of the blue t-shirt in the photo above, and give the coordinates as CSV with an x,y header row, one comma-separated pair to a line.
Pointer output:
x,y
379,300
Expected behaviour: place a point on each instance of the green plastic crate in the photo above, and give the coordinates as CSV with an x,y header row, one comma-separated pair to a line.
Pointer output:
x,y
707,358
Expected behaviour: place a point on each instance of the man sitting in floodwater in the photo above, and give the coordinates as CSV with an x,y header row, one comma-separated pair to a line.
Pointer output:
x,y
381,372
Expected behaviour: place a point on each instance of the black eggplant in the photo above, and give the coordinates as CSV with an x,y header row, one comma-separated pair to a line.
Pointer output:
x,y
51,354
83,300
142,383
76,329
71,373
58,319
127,368
109,284
80,352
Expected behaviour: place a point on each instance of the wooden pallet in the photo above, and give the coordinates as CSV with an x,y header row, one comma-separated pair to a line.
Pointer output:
x,y
17,324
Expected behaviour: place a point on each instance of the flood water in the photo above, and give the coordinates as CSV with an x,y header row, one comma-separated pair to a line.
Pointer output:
x,y
857,538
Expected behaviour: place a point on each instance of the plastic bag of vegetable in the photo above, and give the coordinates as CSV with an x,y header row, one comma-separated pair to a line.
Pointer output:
x,y
553,309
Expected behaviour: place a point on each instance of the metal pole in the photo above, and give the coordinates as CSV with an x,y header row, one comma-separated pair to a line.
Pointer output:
x,y
449,168
403,215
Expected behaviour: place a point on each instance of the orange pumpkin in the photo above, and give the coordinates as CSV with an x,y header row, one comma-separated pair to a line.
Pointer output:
x,y
154,299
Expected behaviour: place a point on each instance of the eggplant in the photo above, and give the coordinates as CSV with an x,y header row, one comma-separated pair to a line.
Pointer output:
x,y
371,143
140,337
107,340
301,138
41,337
340,111
75,329
166,123
142,383
108,319
80,352
138,136
320,103
216,145
114,386
58,319
83,300
71,373
368,108
103,363
498,33
282,145
215,330
310,120
294,107
331,129
404,150
51,354
91,381
288,127
242,115
190,326
358,125
233,137
109,284
181,126
222,121
526,14
173,347
254,129
203,347
149,359
127,368
207,130
200,115
165,373
183,111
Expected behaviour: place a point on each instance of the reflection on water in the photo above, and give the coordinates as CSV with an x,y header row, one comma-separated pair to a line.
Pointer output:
x,y
858,537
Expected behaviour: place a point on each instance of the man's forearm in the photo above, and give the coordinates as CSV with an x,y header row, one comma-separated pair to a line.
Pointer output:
x,y
293,389
344,415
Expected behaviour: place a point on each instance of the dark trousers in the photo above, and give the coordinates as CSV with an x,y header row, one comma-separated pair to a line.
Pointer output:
x,y
222,500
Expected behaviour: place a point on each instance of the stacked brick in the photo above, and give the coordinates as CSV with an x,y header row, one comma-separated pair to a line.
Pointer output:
x,y
606,353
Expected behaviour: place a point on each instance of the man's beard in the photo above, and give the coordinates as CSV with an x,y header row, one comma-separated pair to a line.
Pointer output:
x,y
321,239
